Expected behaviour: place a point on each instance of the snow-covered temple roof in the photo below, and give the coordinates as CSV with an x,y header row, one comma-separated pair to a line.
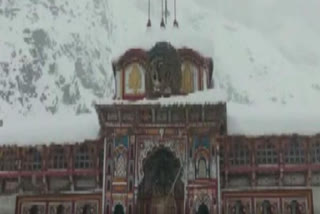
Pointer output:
x,y
176,37
56,129
243,119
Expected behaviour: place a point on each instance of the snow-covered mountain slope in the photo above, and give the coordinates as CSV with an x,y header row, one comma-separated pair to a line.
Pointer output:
x,y
55,55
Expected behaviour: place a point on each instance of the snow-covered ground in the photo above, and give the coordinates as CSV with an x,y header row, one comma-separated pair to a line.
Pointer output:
x,y
56,59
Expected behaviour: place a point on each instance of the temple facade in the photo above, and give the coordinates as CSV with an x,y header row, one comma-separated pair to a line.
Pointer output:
x,y
164,148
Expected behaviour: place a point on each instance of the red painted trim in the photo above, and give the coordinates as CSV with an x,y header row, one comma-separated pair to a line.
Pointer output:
x,y
132,55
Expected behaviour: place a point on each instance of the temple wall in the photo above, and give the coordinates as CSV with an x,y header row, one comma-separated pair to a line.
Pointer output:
x,y
316,197
7,204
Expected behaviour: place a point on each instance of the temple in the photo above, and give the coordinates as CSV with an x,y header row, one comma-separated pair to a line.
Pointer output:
x,y
164,148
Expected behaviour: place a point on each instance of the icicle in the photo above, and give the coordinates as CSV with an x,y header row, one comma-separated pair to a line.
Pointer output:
x,y
175,22
162,25
149,20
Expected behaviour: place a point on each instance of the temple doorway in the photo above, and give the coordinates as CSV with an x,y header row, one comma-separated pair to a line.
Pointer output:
x,y
161,190
203,209
118,209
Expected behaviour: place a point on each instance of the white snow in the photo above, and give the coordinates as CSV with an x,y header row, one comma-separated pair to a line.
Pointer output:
x,y
211,96
49,129
7,204
255,120
266,55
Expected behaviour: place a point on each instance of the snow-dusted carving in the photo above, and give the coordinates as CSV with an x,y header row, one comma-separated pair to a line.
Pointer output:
x,y
267,205
120,166
34,208
60,208
238,206
295,206
87,207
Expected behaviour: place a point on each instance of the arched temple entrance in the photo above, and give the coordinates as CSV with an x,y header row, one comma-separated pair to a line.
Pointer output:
x,y
118,209
161,191
203,209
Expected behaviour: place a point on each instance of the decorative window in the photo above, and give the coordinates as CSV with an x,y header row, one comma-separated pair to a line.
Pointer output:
x,y
34,209
130,186
239,154
294,207
127,116
195,114
239,208
210,114
161,116
145,116
8,159
189,81
202,168
34,160
60,209
82,158
178,116
58,160
267,154
112,115
294,154
315,152
121,166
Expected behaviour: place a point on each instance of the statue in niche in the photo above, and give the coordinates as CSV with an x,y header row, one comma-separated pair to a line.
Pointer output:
x,y
164,76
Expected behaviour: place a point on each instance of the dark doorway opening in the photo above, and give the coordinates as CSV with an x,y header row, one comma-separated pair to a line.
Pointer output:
x,y
203,209
34,209
118,209
161,190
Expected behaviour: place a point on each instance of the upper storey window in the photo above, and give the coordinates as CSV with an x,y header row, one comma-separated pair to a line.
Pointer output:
x,y
239,154
134,79
294,154
189,82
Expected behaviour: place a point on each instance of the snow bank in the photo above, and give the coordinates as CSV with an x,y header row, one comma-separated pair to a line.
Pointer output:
x,y
254,120
211,96
49,129
7,204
